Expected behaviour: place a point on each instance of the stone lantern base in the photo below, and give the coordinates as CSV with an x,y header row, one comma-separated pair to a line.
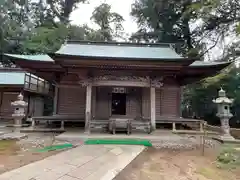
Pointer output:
x,y
18,121
227,137
227,140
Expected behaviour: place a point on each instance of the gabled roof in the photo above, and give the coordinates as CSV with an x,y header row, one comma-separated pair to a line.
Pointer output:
x,y
45,58
120,51
208,63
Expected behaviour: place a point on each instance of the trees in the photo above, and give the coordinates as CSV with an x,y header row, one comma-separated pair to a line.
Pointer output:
x,y
32,27
60,9
164,21
110,23
13,25
198,97
200,24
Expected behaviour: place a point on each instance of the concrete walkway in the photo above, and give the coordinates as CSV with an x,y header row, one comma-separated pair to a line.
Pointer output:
x,y
88,162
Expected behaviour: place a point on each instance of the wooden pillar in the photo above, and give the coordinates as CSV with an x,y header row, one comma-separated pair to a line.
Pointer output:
x,y
201,126
88,106
62,125
55,103
153,107
33,123
174,127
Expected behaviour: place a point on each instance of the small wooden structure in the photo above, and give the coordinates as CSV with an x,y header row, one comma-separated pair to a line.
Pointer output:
x,y
113,85
14,81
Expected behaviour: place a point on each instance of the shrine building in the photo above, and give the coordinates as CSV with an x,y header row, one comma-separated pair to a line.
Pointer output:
x,y
96,82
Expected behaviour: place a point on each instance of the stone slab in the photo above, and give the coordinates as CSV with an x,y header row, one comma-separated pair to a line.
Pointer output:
x,y
88,162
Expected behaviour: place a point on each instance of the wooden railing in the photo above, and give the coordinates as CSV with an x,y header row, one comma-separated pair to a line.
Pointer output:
x,y
36,84
235,132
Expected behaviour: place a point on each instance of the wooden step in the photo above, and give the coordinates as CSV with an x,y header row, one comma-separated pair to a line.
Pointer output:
x,y
99,125
141,126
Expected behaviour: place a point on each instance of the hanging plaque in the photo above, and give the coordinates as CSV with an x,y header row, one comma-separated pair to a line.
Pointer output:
x,y
119,90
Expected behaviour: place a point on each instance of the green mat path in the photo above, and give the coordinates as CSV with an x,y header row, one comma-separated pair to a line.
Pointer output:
x,y
55,147
119,141
98,141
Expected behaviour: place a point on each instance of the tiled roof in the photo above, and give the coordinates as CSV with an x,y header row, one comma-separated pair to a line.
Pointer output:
x,y
119,50
12,78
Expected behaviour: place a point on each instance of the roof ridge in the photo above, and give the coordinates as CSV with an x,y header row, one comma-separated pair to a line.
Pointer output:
x,y
118,43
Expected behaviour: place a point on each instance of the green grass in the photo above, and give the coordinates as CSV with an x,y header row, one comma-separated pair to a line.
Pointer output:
x,y
5,144
229,157
8,147
209,173
119,141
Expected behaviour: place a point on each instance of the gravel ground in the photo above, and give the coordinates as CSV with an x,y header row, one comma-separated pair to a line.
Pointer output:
x,y
183,142
154,164
39,140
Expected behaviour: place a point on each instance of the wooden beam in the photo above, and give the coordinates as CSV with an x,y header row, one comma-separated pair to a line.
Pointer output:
x,y
111,83
71,86
121,83
132,66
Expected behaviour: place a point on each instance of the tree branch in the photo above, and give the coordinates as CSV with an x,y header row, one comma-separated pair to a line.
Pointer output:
x,y
57,13
211,47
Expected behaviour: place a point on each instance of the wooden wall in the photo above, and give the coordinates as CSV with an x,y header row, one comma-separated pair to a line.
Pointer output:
x,y
71,101
134,101
36,105
103,106
6,109
146,103
168,102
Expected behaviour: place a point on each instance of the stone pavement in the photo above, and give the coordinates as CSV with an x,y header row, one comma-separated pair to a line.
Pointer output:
x,y
87,162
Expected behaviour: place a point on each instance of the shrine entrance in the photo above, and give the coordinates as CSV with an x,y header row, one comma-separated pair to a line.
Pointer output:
x,y
119,103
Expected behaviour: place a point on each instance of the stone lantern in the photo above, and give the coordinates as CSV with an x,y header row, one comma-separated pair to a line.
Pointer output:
x,y
19,110
223,112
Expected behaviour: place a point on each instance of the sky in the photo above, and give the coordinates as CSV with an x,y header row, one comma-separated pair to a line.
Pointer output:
x,y
123,7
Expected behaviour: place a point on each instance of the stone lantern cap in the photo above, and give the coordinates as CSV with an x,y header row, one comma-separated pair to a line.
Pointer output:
x,y
221,93
19,102
222,99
